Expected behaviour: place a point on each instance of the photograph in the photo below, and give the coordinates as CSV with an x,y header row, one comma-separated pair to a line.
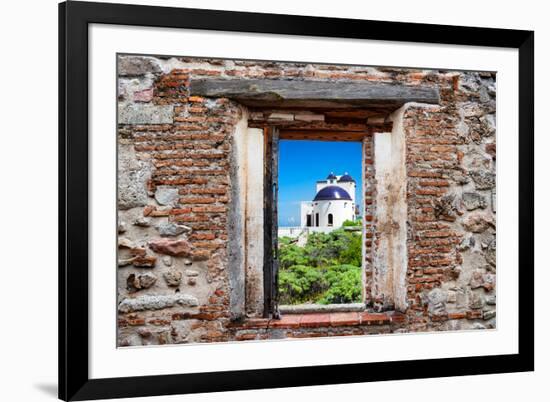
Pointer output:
x,y
262,200
246,201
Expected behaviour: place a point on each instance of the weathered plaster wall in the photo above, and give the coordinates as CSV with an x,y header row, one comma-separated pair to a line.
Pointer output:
x,y
236,217
390,256
255,223
180,193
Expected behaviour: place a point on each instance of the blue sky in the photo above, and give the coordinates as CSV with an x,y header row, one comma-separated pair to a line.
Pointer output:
x,y
302,163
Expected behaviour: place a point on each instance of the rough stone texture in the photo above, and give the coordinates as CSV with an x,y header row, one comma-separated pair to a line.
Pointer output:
x,y
173,277
473,201
121,227
166,195
133,176
143,222
176,168
477,223
145,114
171,247
484,180
144,261
150,302
141,281
172,229
447,156
135,65
436,301
490,253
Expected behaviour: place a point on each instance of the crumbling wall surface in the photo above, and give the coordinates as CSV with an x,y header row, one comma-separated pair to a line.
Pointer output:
x,y
176,194
369,196
451,167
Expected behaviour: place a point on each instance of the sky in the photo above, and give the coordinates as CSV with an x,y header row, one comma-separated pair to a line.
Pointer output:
x,y
302,163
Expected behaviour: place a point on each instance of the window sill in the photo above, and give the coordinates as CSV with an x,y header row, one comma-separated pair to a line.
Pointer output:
x,y
321,308
317,320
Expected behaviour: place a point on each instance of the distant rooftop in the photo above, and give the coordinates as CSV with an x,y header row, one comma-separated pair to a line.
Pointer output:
x,y
346,178
330,193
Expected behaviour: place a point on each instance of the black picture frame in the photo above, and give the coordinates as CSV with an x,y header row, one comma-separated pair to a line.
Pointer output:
x,y
74,18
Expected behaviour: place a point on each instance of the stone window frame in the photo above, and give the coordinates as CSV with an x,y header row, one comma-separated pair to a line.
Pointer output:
x,y
249,284
386,104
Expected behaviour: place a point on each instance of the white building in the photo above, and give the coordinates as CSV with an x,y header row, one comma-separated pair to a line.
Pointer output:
x,y
333,204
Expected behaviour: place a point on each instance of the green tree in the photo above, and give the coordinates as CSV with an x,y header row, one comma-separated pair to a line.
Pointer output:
x,y
326,270
291,254
352,253
301,284
344,285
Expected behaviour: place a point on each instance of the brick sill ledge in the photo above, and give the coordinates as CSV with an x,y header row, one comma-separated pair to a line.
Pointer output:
x,y
322,308
316,320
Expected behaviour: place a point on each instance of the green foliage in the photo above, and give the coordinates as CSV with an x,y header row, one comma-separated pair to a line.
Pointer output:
x,y
349,222
352,253
326,270
300,284
344,285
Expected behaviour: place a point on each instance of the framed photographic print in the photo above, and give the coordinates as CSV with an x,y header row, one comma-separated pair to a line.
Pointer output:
x,y
258,200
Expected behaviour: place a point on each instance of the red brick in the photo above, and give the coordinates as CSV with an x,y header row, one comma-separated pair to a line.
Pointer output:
x,y
398,317
315,320
374,318
180,211
196,99
434,183
197,200
202,236
342,319
136,321
250,323
474,314
246,337
286,321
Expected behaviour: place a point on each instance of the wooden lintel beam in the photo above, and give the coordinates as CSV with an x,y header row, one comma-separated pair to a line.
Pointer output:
x,y
324,94
323,135
380,128
317,126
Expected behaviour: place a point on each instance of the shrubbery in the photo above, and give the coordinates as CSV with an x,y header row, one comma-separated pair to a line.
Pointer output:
x,y
348,222
326,270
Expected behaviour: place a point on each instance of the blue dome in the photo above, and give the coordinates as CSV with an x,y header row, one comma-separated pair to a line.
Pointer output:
x,y
332,193
331,176
346,178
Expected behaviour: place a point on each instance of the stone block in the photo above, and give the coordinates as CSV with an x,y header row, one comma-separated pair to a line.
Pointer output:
x,y
130,113
167,229
166,195
483,179
158,302
133,175
472,200
137,65
171,247
173,277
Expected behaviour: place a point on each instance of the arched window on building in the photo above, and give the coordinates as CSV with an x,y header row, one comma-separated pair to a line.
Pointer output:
x,y
330,220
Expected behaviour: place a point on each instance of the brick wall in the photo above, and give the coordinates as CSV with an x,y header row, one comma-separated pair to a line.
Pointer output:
x,y
175,197
369,188
451,161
